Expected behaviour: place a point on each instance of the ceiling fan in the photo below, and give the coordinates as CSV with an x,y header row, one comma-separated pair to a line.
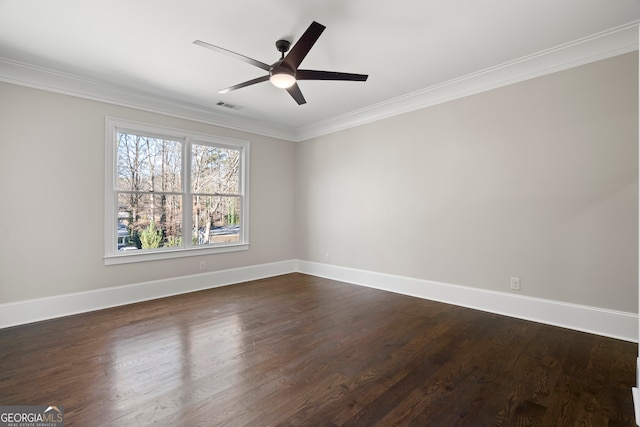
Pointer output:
x,y
284,73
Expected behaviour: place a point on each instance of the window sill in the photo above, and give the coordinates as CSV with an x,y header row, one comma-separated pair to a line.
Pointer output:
x,y
140,256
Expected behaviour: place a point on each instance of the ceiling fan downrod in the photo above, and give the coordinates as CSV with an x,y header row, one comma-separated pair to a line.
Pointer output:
x,y
283,47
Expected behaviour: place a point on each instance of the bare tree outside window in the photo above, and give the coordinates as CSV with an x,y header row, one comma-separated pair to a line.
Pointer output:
x,y
149,188
215,186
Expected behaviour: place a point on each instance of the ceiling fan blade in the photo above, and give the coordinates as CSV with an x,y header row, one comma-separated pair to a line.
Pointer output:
x,y
246,59
330,75
303,45
296,93
245,84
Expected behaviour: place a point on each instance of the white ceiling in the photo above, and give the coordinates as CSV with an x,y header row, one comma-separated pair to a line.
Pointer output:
x,y
141,51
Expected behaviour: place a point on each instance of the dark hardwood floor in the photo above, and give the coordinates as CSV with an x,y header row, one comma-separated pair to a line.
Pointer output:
x,y
298,350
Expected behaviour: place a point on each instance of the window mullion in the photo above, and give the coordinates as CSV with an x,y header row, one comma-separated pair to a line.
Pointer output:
x,y
187,203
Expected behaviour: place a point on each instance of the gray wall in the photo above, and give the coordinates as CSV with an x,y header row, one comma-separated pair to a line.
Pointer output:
x,y
52,185
536,180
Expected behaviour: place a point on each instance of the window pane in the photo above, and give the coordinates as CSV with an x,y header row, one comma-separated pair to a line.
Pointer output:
x,y
148,221
148,164
217,219
214,170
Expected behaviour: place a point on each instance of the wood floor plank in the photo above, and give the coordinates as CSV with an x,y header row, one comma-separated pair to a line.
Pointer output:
x,y
298,350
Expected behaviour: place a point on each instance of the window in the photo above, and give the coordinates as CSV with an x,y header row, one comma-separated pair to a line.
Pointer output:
x,y
173,193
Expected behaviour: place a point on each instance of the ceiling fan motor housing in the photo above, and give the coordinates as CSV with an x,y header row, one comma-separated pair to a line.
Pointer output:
x,y
280,67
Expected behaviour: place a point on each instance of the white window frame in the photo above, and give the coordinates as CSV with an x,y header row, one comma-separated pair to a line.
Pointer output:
x,y
111,253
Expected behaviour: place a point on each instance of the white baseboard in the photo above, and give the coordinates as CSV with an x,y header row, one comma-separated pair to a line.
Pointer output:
x,y
599,321
34,310
610,323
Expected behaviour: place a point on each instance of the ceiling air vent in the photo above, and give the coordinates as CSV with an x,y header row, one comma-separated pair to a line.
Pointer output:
x,y
229,106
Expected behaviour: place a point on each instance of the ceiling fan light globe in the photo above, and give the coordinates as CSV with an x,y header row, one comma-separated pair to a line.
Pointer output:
x,y
282,80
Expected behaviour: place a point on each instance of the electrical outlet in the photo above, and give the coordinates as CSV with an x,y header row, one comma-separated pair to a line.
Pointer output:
x,y
203,265
326,257
515,283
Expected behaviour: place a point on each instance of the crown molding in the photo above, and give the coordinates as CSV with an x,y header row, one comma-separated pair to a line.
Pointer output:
x,y
613,42
68,84
607,44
